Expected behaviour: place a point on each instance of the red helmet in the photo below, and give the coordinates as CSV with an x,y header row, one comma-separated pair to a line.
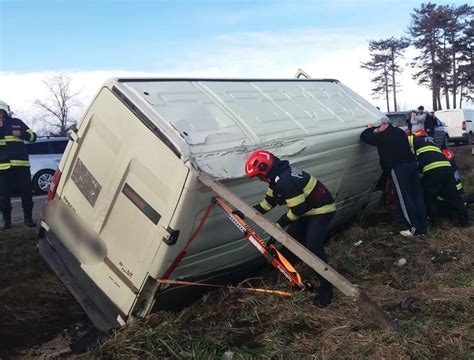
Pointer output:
x,y
258,163
420,133
449,154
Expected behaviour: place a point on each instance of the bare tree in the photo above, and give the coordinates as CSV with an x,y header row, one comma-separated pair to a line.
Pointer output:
x,y
57,106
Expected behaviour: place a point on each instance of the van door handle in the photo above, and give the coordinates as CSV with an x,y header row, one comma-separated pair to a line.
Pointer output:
x,y
73,133
170,236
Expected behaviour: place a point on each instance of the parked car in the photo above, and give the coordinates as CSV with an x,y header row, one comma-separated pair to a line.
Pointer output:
x,y
459,123
45,155
401,119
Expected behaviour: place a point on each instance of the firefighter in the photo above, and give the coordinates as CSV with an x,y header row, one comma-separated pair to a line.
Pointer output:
x,y
310,206
14,166
438,177
467,199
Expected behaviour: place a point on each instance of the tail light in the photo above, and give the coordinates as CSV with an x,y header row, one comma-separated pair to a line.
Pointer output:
x,y
464,125
54,185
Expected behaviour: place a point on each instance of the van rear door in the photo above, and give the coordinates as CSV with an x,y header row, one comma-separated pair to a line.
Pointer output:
x,y
122,184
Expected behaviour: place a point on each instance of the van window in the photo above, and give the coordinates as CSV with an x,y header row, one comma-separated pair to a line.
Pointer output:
x,y
398,120
58,147
38,148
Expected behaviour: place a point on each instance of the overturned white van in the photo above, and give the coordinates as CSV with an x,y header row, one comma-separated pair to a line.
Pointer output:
x,y
125,198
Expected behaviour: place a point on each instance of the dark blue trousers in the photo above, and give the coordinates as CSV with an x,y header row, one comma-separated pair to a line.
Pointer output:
x,y
16,180
311,231
406,181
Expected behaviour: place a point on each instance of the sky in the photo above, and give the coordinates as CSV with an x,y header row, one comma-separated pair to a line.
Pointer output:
x,y
94,40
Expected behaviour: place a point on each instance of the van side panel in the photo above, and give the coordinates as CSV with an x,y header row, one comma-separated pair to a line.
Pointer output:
x,y
342,169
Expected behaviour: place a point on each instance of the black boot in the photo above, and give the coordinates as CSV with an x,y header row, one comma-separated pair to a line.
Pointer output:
x,y
7,220
324,297
29,218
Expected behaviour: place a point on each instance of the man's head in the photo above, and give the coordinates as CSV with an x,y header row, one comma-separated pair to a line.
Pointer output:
x,y
384,124
432,113
4,110
259,164
3,115
421,108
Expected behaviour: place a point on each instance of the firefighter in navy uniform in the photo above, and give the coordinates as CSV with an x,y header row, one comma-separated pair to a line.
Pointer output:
x,y
310,206
438,177
467,199
14,166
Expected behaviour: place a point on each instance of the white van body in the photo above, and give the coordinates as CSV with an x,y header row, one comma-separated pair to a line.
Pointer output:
x,y
459,124
128,198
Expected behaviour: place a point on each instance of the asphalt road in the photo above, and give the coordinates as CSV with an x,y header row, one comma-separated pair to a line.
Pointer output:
x,y
17,211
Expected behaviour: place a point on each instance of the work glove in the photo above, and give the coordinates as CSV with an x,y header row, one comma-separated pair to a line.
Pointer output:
x,y
239,214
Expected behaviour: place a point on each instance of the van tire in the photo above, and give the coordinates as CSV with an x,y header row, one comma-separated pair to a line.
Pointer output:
x,y
42,180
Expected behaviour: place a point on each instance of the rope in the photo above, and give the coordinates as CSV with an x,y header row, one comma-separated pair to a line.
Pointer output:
x,y
182,282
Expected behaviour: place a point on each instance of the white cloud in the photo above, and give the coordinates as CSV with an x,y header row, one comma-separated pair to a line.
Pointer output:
x,y
321,53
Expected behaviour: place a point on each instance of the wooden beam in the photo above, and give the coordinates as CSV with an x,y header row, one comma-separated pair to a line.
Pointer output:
x,y
370,309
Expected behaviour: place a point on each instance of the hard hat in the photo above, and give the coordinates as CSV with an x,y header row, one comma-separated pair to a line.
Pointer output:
x,y
258,163
4,106
420,133
448,154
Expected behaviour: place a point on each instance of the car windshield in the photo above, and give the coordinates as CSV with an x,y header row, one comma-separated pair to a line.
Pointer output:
x,y
397,120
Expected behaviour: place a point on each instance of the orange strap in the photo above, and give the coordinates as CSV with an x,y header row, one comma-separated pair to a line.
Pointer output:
x,y
184,250
182,282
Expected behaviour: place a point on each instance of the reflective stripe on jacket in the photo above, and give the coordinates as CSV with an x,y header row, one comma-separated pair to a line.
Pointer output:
x,y
300,192
13,150
428,154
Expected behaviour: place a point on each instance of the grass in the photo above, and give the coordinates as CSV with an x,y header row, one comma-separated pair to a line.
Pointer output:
x,y
431,297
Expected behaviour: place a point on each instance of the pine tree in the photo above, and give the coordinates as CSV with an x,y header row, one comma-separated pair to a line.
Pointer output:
x,y
379,64
466,67
426,32
384,56
437,31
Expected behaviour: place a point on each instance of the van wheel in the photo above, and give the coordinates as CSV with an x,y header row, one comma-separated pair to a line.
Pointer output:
x,y
42,181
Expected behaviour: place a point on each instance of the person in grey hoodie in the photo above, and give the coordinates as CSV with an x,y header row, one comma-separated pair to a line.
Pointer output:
x,y
418,119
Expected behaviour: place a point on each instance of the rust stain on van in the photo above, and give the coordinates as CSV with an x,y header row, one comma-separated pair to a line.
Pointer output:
x,y
86,182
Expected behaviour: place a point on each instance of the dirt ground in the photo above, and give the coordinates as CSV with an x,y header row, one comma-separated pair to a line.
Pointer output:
x,y
34,306
431,296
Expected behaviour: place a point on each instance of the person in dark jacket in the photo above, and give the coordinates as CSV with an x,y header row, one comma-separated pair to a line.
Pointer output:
x,y
438,177
397,159
311,206
430,123
15,166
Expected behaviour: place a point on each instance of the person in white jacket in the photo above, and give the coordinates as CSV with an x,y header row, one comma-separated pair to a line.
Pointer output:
x,y
418,119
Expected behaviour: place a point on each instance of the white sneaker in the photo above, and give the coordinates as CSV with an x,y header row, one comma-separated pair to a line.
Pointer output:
x,y
408,233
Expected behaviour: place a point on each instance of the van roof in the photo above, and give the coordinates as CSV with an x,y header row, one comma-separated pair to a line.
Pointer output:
x,y
215,123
